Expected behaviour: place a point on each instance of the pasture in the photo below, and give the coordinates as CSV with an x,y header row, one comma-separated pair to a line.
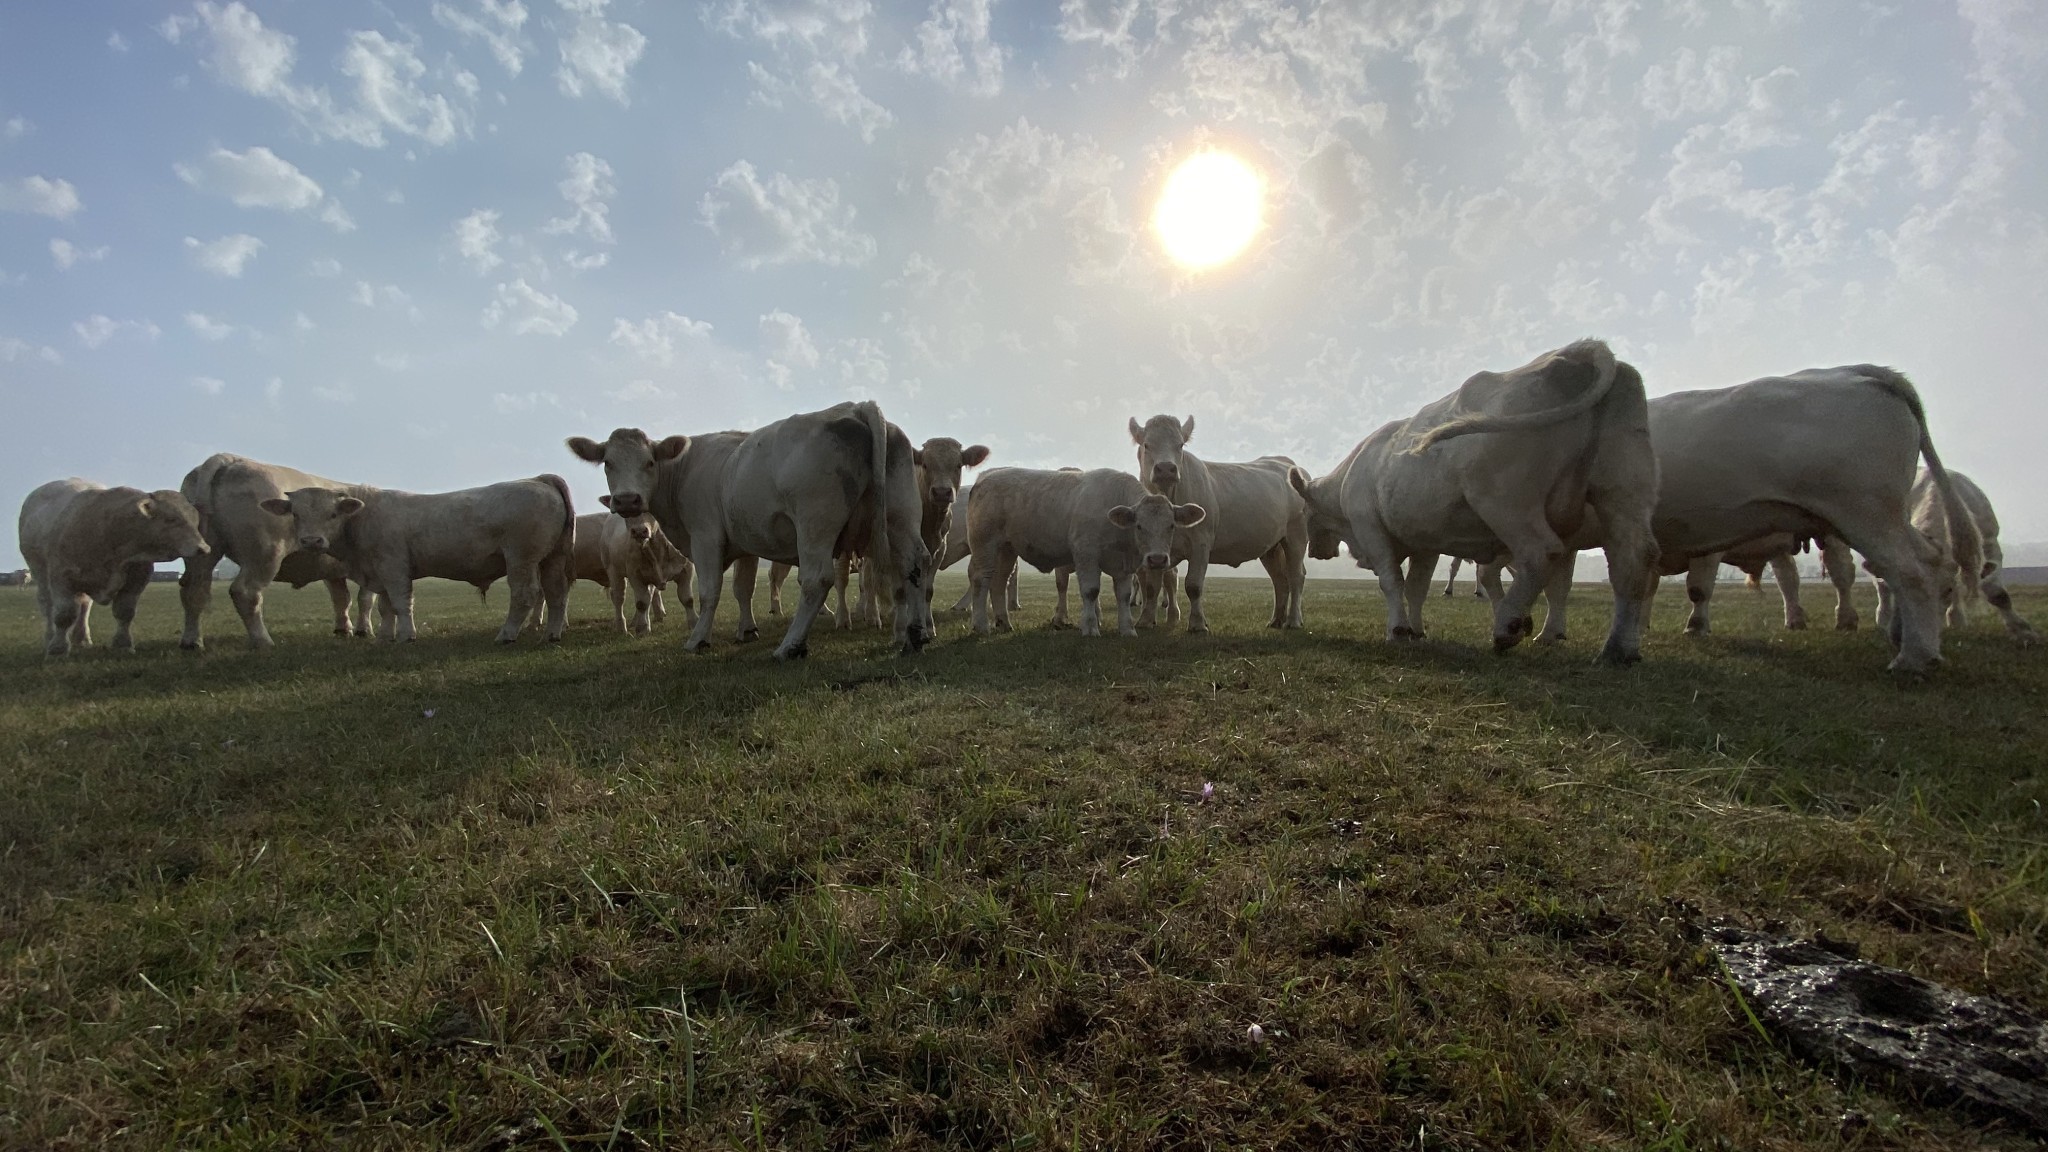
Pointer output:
x,y
607,895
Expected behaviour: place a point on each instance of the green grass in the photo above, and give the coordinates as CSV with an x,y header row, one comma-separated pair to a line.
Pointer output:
x,y
608,895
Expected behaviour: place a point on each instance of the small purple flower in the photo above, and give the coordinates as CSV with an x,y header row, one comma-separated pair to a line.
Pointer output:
x,y
1208,792
429,713
1255,1034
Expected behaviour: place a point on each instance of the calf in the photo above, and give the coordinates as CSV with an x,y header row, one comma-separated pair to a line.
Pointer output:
x,y
521,531
1932,510
1097,522
86,543
229,491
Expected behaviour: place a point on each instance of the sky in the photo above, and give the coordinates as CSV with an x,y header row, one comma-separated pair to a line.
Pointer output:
x,y
416,245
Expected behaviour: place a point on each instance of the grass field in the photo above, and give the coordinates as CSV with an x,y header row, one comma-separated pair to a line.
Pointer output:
x,y
607,895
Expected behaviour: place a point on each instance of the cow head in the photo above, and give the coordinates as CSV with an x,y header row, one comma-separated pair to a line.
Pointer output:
x,y
168,528
1152,520
1160,441
319,515
1325,527
630,460
939,464
639,528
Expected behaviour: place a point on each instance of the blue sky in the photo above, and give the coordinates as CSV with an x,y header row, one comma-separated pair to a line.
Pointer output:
x,y
417,245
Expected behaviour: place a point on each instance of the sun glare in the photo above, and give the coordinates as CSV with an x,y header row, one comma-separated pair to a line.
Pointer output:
x,y
1210,209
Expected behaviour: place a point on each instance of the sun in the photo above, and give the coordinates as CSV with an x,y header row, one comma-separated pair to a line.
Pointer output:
x,y
1210,209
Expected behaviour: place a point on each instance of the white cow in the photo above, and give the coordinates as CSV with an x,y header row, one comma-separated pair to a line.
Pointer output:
x,y
939,463
1252,515
622,553
801,490
1820,453
229,492
520,531
1097,522
1504,468
86,543
1931,512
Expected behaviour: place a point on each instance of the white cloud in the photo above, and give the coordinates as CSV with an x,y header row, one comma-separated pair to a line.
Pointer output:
x,y
597,54
241,52
302,322
384,296
64,253
339,393
509,404
654,339
273,390
392,361
787,347
499,29
207,327
1026,178
587,188
259,178
96,330
226,256
211,385
527,310
784,221
56,199
14,348
117,42
954,48
15,128
476,239
633,390
831,87
326,267
819,44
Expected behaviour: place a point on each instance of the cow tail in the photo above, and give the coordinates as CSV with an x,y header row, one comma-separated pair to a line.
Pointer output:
x,y
878,433
1965,542
565,543
1595,351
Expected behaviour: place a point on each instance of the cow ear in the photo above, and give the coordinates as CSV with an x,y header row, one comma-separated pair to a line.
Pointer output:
x,y
1123,517
671,447
605,500
1298,479
348,505
1188,515
1187,428
917,457
974,455
586,448
146,506
277,506
1137,433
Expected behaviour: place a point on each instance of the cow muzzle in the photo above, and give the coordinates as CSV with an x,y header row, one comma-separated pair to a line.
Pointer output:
x,y
313,543
642,533
1156,560
1165,473
942,496
628,504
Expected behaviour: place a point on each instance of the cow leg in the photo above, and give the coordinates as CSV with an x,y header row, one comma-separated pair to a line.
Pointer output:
x,y
842,573
1275,563
195,590
615,584
1898,555
1534,556
966,601
1556,593
655,605
366,601
744,571
981,570
870,606
522,581
1194,584
1415,589
643,597
1121,586
1089,577
1840,563
777,573
46,607
1699,588
246,590
710,584
134,579
1060,576
398,590
337,598
1486,582
1786,570
67,627
1166,593
2001,601
1146,590
814,579
1297,577
1016,601
1451,580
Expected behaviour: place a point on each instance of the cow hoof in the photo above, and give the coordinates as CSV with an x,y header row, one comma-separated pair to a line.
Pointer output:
x,y
1913,669
1845,625
1198,629
1502,641
1695,628
1795,625
190,645
793,652
341,631
2027,639
746,634
1616,658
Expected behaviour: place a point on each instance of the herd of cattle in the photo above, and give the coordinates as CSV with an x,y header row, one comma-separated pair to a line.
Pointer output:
x,y
1518,470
